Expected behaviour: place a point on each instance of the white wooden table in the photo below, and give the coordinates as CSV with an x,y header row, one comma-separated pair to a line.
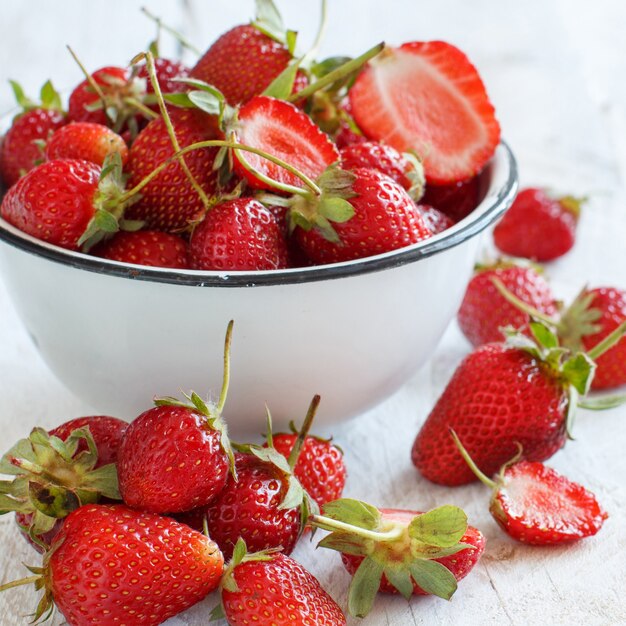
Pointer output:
x,y
556,71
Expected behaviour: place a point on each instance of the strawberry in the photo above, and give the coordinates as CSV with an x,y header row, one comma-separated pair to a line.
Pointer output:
x,y
371,214
535,504
456,200
246,59
281,130
521,392
86,141
146,247
346,135
436,220
169,201
238,234
484,311
398,551
403,168
538,226
21,148
167,70
112,565
176,456
291,595
320,467
67,202
58,472
428,97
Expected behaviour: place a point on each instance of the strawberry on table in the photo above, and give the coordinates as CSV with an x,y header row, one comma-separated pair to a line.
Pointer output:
x,y
112,565
538,226
21,149
535,504
523,392
176,456
427,97
291,595
238,234
399,551
484,311
152,248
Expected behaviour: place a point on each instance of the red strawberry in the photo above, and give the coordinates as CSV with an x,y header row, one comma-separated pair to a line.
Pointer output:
x,y
538,226
484,311
291,595
435,219
238,234
428,97
397,551
320,467
176,456
403,168
58,201
86,141
169,201
503,395
112,565
146,247
283,131
166,71
537,505
346,135
377,216
456,200
21,148
245,60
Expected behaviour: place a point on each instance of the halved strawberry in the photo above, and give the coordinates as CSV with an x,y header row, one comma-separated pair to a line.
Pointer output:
x,y
428,97
282,130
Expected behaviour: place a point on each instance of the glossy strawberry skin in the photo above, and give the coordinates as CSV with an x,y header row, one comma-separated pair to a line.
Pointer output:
x,y
169,202
428,97
243,62
536,227
86,141
284,583
320,467
238,234
484,311
113,565
385,218
152,248
457,200
611,366
170,460
249,508
436,220
460,564
18,151
282,130
539,506
498,396
54,202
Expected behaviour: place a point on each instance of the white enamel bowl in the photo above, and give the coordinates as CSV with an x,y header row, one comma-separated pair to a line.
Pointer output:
x,y
117,335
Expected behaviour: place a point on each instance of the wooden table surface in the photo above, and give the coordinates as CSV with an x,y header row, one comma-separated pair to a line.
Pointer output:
x,y
555,70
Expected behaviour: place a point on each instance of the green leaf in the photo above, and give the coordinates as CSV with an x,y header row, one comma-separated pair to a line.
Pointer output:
x,y
23,449
291,37
50,98
328,65
104,480
544,336
326,229
344,542
433,578
293,497
8,505
282,86
106,221
269,21
364,587
21,98
200,404
336,209
271,456
179,100
602,403
442,527
433,552
353,512
53,500
239,551
207,102
400,578
578,371
217,613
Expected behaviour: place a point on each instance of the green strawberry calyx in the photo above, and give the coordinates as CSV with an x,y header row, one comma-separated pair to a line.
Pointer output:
x,y
52,478
49,98
403,552
210,410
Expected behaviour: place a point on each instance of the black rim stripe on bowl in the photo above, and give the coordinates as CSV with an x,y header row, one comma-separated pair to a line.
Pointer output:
x,y
489,214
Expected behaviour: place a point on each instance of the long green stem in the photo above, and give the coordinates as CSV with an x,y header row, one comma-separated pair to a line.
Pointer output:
x,y
607,343
468,459
148,112
92,83
226,378
304,431
20,582
327,523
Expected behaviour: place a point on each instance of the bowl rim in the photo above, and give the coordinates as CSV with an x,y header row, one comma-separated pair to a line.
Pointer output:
x,y
487,212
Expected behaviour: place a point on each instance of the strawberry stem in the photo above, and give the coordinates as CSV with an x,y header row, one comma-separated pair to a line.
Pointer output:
x,y
607,343
226,378
468,459
92,83
20,582
327,523
600,404
520,304
149,113
304,431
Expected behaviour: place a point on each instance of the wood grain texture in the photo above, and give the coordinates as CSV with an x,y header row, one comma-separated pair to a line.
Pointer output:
x,y
555,70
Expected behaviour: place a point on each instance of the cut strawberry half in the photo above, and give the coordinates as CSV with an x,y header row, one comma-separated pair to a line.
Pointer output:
x,y
428,97
284,131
